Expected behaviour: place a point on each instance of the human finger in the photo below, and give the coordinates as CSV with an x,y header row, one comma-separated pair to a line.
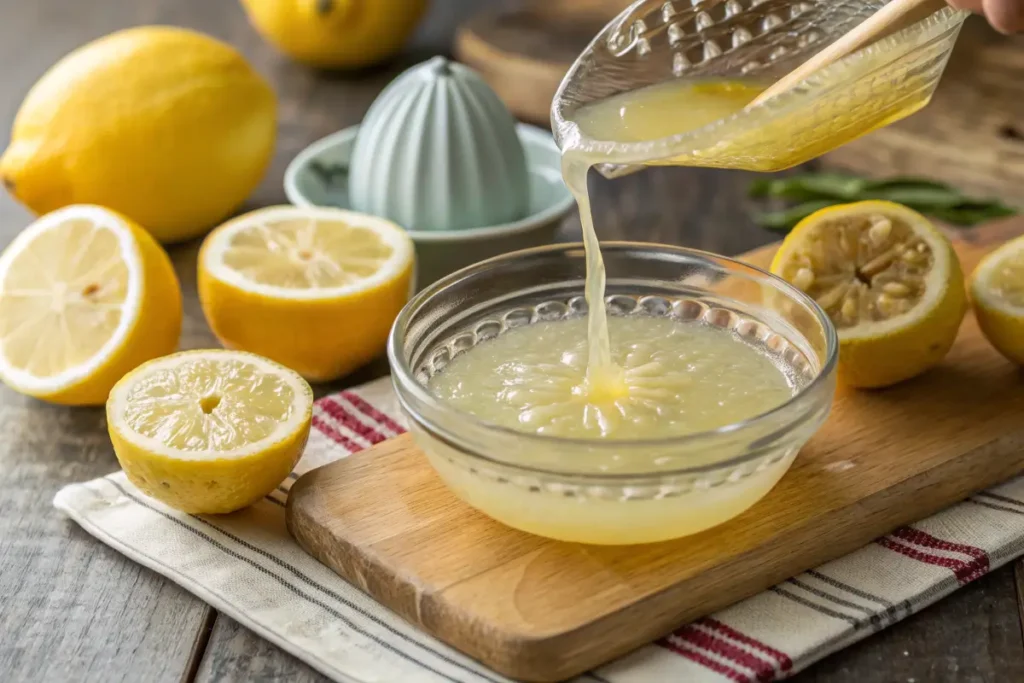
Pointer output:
x,y
1006,16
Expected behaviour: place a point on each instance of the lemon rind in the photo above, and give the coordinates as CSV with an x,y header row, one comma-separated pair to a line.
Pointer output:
x,y
402,256
26,382
301,408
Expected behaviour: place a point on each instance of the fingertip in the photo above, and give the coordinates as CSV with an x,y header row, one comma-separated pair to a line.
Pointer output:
x,y
1005,16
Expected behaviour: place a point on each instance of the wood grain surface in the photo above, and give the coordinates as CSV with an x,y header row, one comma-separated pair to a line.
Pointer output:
x,y
72,609
527,606
524,52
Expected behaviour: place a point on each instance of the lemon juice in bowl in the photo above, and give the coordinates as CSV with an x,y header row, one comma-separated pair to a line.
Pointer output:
x,y
685,412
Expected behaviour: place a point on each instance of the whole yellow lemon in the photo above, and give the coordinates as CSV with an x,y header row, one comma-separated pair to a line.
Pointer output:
x,y
165,125
336,33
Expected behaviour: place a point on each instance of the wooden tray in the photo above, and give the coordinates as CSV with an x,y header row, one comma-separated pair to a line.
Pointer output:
x,y
524,52
542,610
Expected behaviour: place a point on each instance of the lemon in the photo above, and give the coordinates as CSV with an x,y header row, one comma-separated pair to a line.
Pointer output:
x,y
888,279
85,296
997,292
314,289
167,126
209,431
336,33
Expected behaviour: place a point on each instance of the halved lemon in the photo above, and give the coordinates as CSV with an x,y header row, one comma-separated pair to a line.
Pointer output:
x,y
888,279
315,289
997,292
85,296
209,431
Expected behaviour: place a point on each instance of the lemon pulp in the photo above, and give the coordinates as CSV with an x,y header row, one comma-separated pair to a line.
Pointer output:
x,y
85,296
306,253
1007,279
63,299
208,405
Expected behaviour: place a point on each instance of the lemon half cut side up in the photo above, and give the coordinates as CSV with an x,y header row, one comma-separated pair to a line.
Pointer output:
x,y
86,295
209,431
315,289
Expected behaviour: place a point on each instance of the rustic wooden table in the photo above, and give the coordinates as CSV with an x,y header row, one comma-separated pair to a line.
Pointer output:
x,y
73,609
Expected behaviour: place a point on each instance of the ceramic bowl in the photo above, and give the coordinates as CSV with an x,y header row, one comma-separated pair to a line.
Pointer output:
x,y
318,176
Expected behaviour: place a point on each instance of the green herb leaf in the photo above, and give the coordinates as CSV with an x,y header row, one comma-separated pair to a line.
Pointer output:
x,y
907,182
760,188
920,198
813,191
809,186
971,214
784,220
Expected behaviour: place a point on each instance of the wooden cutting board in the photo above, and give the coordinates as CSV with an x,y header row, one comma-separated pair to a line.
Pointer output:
x,y
542,610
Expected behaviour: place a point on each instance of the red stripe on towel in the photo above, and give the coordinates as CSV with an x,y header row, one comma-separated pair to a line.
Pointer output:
x,y
367,409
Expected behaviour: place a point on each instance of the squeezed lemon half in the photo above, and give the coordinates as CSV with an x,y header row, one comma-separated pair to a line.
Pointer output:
x,y
209,431
889,281
997,292
315,289
85,296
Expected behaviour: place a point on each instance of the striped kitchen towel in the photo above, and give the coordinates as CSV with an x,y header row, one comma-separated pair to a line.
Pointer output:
x,y
247,566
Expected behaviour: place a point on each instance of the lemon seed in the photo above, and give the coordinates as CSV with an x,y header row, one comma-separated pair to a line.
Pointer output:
x,y
879,231
804,279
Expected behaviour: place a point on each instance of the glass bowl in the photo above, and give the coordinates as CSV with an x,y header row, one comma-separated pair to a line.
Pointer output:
x,y
653,41
612,492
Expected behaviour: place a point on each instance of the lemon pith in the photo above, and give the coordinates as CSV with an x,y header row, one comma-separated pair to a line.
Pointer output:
x,y
209,431
85,296
316,290
997,295
165,125
890,282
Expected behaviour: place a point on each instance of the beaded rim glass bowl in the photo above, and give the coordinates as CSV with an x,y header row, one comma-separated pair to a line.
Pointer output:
x,y
654,41
574,489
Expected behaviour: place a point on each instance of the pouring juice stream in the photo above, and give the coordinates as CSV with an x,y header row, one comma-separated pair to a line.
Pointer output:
x,y
646,114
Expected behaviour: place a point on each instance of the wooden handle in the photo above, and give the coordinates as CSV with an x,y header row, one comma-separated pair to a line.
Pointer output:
x,y
895,16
